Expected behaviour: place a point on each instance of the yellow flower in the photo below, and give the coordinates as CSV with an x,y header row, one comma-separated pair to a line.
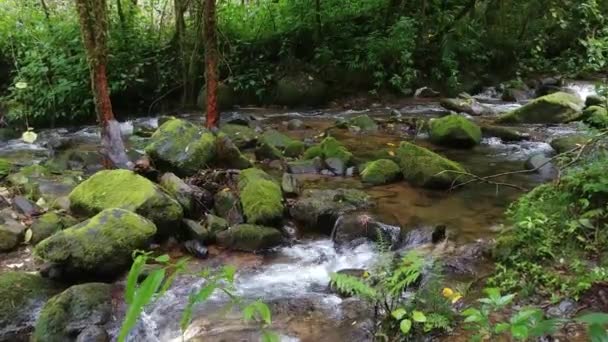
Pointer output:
x,y
456,298
447,292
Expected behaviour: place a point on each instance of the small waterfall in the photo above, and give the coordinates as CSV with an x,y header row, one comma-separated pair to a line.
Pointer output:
x,y
582,88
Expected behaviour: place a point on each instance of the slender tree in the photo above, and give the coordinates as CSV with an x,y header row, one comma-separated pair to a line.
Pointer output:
x,y
92,15
211,57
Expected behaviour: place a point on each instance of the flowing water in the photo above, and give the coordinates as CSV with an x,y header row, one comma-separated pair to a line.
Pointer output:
x,y
294,279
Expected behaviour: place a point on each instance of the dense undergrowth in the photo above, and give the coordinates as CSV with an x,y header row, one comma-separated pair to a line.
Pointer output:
x,y
355,45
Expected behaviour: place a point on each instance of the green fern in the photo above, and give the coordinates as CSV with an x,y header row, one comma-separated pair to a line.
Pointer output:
x,y
436,321
351,286
407,273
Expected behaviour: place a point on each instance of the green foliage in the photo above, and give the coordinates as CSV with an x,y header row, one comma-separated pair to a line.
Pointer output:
x,y
596,325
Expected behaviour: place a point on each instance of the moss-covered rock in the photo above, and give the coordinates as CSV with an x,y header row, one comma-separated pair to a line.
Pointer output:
x,y
306,166
127,190
596,116
329,148
250,238
364,122
455,131
228,206
242,136
380,172
423,167
36,181
11,231
568,143
5,167
300,90
504,133
101,245
181,147
558,107
261,197
49,224
295,149
276,139
265,151
21,294
67,314
216,224
228,154
318,210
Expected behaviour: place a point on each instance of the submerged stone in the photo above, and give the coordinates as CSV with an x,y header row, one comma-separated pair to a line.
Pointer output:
x,y
329,148
365,123
423,167
102,245
249,238
455,131
127,190
558,107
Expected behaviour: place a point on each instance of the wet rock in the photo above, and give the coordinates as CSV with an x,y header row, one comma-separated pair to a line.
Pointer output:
x,y
504,133
265,151
423,167
249,238
276,139
353,226
93,334
193,200
261,197
516,95
228,155
11,231
54,140
466,259
595,100
25,206
69,313
144,128
466,105
181,147
596,116
350,171
424,235
236,118
335,165
319,209
329,148
295,124
49,224
568,143
565,309
559,107
364,122
294,149
228,206
549,85
395,114
215,224
127,190
196,231
309,166
242,136
300,89
21,294
196,249
102,245
426,92
542,164
341,123
290,185
380,172
455,131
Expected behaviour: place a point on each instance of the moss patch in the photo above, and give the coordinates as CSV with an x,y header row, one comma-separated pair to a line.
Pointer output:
x,y
294,149
568,143
423,167
596,116
381,171
364,122
558,107
329,148
455,130
242,136
250,238
261,197
100,245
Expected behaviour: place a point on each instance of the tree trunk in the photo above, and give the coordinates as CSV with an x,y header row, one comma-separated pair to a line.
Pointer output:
x,y
180,30
121,14
92,15
211,71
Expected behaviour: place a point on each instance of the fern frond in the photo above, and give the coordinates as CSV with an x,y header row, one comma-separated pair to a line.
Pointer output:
x,y
352,286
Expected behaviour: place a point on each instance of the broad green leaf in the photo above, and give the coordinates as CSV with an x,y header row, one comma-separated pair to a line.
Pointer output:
x,y
270,336
594,318
134,272
519,331
398,314
162,258
28,236
264,312
501,327
418,316
597,333
405,326
203,294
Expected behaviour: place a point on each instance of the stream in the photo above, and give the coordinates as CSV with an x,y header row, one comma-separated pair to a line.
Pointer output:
x,y
294,279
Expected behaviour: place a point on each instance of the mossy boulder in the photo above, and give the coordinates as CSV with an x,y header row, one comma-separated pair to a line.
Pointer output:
x,y
568,143
423,167
181,147
364,122
249,238
265,151
317,210
226,97
329,148
5,167
455,131
49,224
295,149
596,116
127,190
380,172
101,245
276,139
228,206
300,89
504,133
67,314
21,294
558,107
228,154
11,231
242,136
261,197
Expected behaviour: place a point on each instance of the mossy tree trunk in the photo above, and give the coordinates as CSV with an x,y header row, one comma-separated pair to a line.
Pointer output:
x,y
211,72
92,15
